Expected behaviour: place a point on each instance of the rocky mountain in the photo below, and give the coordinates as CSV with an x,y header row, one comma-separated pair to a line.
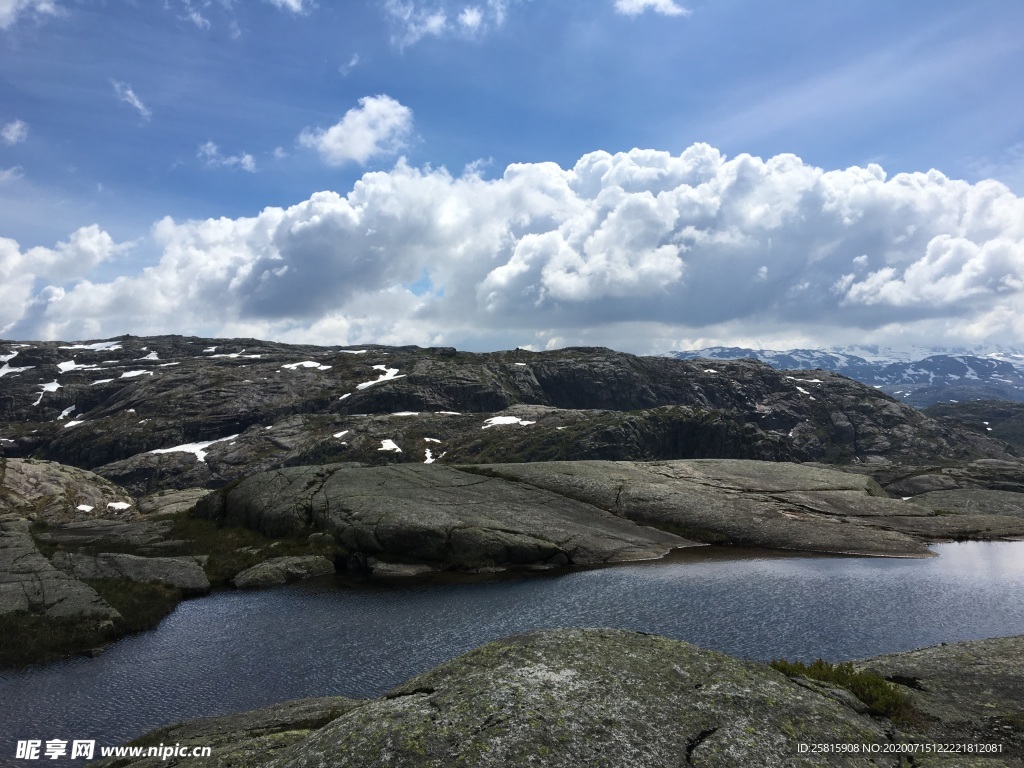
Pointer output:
x,y
171,412
924,381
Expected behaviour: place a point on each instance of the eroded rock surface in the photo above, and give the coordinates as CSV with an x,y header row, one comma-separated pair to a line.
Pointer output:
x,y
435,514
30,583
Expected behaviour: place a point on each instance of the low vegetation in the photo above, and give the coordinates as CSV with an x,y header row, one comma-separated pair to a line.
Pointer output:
x,y
879,695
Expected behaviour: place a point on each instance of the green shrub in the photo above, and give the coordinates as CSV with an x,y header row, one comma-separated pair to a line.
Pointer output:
x,y
880,696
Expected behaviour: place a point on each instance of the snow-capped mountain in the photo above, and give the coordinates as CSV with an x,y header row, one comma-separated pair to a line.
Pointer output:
x,y
919,379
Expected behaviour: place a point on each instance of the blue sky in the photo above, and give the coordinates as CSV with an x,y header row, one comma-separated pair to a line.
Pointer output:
x,y
404,171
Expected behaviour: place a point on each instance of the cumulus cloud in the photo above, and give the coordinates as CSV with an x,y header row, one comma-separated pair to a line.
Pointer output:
x,y
379,126
664,7
14,132
11,10
127,95
637,250
70,260
211,156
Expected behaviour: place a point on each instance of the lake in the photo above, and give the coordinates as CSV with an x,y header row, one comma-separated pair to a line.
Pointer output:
x,y
233,651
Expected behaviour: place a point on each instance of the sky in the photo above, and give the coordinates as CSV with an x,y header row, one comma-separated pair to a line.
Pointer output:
x,y
647,175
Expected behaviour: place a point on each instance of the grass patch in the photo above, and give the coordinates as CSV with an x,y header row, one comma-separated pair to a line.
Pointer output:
x,y
233,549
879,695
29,638
141,605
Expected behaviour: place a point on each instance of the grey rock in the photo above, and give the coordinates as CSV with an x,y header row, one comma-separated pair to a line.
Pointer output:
x,y
970,692
30,583
281,570
758,504
170,502
245,739
56,493
184,573
435,515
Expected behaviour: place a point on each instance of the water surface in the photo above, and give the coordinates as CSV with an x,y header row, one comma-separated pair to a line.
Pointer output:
x,y
233,651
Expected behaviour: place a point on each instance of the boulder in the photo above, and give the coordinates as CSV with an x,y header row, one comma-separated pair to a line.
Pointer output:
x,y
281,570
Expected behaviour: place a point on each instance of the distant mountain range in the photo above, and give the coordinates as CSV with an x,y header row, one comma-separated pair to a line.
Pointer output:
x,y
920,379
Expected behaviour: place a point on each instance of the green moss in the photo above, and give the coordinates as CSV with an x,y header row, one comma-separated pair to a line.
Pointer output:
x,y
880,696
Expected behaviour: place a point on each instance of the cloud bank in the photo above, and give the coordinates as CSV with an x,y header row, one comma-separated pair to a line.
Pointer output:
x,y
641,250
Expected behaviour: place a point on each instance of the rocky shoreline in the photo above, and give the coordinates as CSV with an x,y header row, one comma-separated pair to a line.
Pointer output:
x,y
578,698
76,575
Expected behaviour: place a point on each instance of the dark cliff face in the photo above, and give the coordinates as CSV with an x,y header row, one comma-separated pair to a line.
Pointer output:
x,y
108,405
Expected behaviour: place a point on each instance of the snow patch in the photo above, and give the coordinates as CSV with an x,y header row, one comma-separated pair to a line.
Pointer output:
x,y
84,508
710,370
71,365
150,356
5,359
389,445
120,506
101,381
110,345
499,420
431,440
347,394
406,413
341,434
133,374
388,375
65,413
74,423
53,386
199,449
209,350
307,364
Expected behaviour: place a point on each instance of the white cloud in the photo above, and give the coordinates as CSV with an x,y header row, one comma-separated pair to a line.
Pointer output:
x,y
414,20
378,126
10,10
295,6
346,68
636,7
471,18
127,95
8,175
635,250
14,132
210,154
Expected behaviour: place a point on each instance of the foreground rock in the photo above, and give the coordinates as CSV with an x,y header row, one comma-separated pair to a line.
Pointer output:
x,y
969,692
571,698
436,515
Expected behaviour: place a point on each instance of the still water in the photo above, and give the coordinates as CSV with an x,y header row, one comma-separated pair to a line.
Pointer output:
x,y
240,650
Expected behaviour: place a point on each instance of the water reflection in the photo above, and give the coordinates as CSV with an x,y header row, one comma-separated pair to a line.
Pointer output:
x,y
232,651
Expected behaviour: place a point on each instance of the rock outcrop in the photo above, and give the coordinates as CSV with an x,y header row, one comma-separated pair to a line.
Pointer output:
x,y
586,512
30,584
436,515
579,698
184,573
